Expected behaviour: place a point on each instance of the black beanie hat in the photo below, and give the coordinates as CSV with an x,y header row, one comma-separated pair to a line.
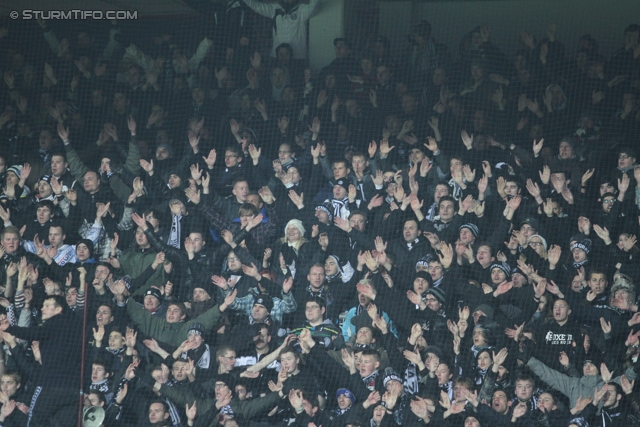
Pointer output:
x,y
89,245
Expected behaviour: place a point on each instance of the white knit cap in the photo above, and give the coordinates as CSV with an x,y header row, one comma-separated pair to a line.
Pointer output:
x,y
297,224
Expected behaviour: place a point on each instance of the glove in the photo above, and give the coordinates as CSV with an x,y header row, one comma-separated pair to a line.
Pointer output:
x,y
526,352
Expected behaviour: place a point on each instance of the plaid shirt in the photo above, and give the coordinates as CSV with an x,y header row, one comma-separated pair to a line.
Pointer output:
x,y
286,304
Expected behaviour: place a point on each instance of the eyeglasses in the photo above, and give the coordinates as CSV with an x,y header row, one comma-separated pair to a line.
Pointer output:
x,y
284,152
313,307
535,243
623,156
608,201
234,258
230,156
150,217
431,300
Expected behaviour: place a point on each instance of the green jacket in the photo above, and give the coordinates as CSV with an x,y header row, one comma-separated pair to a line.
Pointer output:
x,y
78,168
170,333
572,387
247,408
135,260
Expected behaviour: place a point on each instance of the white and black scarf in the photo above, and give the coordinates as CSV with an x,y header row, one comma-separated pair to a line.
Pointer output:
x,y
174,235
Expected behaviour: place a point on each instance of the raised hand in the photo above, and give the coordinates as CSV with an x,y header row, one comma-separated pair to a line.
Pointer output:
x,y
581,403
628,243
420,408
130,337
322,98
191,411
140,222
632,338
385,148
469,175
98,335
210,159
348,359
627,386
466,139
314,127
297,200
537,147
366,290
500,357
564,359
519,410
545,175
514,202
147,166
102,210
193,195
229,299
25,172
598,394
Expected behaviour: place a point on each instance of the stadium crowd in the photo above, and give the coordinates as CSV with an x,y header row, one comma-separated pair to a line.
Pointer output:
x,y
204,234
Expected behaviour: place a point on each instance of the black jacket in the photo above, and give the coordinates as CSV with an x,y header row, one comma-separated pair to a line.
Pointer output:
x,y
61,347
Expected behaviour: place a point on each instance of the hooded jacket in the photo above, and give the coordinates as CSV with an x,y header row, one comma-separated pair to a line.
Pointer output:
x,y
573,388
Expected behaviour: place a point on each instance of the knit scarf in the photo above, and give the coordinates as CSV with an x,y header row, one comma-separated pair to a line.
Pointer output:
x,y
360,308
477,349
577,265
202,354
411,379
337,411
370,381
447,388
360,188
337,277
480,375
46,155
102,386
338,205
174,235
432,212
116,352
322,293
410,245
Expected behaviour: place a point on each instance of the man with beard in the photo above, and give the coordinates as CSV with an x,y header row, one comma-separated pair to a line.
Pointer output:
x,y
201,299
349,329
